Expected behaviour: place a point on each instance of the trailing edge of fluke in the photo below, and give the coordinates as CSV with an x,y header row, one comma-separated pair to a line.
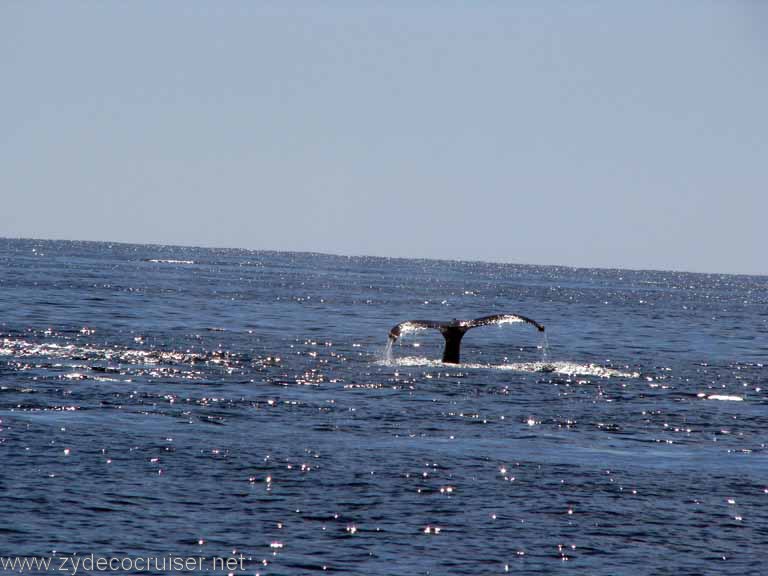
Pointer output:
x,y
454,330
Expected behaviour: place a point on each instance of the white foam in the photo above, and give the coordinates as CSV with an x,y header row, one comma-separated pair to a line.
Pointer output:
x,y
723,397
564,368
170,261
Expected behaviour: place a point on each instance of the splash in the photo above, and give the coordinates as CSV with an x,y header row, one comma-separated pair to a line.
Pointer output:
x,y
405,329
386,354
544,348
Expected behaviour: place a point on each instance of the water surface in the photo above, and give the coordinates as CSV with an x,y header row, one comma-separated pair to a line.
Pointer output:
x,y
164,400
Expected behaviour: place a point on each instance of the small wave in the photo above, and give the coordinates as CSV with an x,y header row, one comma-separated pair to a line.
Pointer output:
x,y
564,368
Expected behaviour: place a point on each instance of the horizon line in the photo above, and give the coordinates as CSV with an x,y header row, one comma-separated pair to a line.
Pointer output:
x,y
432,259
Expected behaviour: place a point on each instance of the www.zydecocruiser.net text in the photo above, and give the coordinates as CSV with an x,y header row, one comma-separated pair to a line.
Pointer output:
x,y
90,563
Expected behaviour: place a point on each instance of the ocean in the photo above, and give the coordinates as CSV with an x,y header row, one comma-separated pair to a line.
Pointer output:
x,y
161,402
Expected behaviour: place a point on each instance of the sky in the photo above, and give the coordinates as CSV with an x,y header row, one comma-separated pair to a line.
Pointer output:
x,y
596,134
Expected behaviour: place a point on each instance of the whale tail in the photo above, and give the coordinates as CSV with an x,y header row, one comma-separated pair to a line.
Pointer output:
x,y
454,331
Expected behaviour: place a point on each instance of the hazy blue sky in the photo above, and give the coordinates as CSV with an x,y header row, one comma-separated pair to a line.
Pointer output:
x,y
611,134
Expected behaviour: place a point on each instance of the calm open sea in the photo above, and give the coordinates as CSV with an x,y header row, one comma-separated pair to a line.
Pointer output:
x,y
165,401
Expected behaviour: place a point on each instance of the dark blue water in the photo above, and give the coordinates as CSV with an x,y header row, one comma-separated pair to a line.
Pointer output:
x,y
196,402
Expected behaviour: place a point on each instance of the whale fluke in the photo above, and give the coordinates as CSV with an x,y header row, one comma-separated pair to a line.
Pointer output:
x,y
454,330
